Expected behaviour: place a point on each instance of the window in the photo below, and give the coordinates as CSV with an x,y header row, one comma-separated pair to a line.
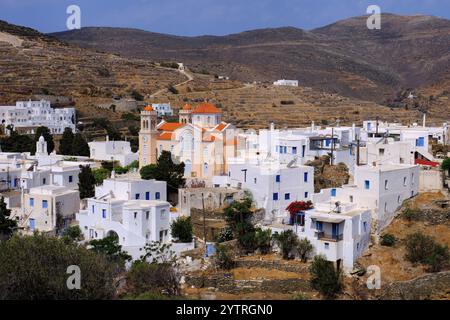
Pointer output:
x,y
365,226
147,215
306,195
404,181
333,192
137,195
386,184
31,202
44,204
294,150
420,142
327,245
381,152
275,196
303,150
135,215
93,208
367,184
70,179
319,225
44,181
254,180
305,176
147,195
104,213
398,199
357,246
157,196
385,206
287,196
277,178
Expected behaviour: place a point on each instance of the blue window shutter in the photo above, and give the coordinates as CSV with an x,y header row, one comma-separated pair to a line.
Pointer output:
x,y
294,150
277,178
137,196
333,192
157,196
306,194
305,176
275,196
44,204
31,202
367,184
104,213
147,195
287,196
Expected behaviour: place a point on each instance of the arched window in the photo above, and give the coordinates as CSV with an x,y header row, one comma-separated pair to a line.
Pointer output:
x,y
205,169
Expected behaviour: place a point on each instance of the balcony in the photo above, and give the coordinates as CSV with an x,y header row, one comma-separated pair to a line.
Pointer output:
x,y
328,237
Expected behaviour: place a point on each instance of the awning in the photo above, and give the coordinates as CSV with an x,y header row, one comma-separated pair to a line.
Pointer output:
x,y
328,219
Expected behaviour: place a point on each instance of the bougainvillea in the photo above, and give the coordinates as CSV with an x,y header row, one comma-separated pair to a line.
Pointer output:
x,y
298,206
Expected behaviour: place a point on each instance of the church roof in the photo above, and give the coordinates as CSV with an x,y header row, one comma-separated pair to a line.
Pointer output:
x,y
186,107
170,126
165,136
206,108
148,108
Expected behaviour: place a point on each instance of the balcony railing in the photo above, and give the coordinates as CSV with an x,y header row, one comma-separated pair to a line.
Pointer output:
x,y
329,237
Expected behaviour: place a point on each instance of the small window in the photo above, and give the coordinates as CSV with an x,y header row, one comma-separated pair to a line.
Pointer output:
x,y
44,204
147,195
137,196
157,196
294,150
31,202
319,225
70,179
305,176
277,178
327,245
44,181
404,181
147,215
104,213
93,208
367,184
350,198
306,195
381,152
287,196
386,184
398,199
365,226
135,215
275,196
254,180
333,192
357,246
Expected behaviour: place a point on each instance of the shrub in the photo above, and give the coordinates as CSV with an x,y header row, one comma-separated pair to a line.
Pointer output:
x,y
263,240
419,247
388,240
35,267
157,278
72,234
173,90
110,248
225,235
325,277
223,259
287,241
304,248
182,229
410,214
137,96
439,258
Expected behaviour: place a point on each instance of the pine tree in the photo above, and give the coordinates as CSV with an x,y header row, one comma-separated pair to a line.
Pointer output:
x,y
86,184
79,146
7,224
45,132
66,143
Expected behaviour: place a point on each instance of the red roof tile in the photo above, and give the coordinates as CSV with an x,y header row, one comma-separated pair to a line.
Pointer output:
x,y
206,108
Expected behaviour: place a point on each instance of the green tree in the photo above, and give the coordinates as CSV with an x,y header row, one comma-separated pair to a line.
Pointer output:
x,y
72,234
287,241
325,277
112,250
181,229
166,170
100,174
86,182
35,268
223,258
7,225
79,146
16,143
263,240
239,216
446,165
304,248
45,132
66,143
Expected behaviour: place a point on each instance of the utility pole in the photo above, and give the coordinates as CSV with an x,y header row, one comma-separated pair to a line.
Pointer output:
x,y
357,151
376,132
332,145
204,221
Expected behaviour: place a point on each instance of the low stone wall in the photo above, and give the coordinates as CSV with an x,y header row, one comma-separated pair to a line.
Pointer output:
x,y
225,283
268,264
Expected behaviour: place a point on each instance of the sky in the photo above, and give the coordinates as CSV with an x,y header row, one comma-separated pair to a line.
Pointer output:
x,y
200,17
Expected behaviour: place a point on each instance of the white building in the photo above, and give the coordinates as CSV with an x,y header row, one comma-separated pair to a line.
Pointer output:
x,y
273,186
163,109
113,150
134,210
47,206
27,116
382,189
283,82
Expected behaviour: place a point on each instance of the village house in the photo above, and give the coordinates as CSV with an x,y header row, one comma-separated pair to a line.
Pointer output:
x,y
112,151
26,116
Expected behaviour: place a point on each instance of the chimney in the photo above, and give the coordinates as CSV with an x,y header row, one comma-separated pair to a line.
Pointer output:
x,y
424,119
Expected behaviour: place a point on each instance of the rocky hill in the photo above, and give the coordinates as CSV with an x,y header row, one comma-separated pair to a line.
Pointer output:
x,y
33,64
344,57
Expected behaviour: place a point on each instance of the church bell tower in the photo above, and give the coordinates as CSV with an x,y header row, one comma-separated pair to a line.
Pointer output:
x,y
147,137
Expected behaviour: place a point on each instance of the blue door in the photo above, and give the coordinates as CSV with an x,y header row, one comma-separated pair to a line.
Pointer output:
x,y
335,230
32,224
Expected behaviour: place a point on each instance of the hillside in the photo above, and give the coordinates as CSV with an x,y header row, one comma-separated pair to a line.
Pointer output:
x,y
344,57
35,64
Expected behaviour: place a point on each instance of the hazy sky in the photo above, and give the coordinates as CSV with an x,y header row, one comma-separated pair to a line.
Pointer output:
x,y
198,17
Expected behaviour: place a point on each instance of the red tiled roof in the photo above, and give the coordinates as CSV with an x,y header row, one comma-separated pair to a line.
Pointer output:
x,y
221,126
206,108
170,126
165,136
187,107
148,108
